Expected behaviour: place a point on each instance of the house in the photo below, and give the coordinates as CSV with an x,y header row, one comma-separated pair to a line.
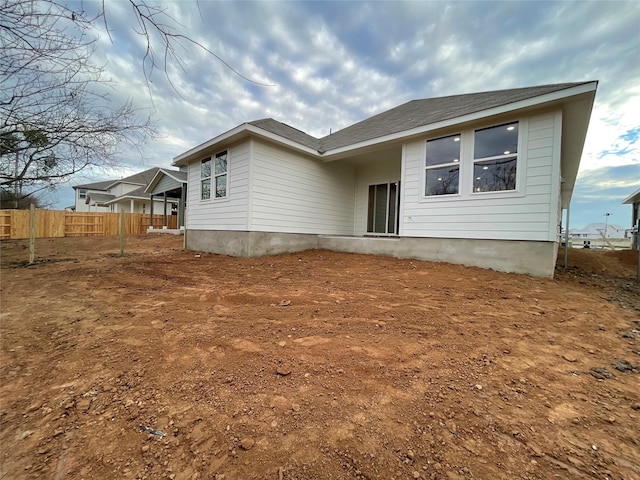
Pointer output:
x,y
171,185
126,194
634,201
477,179
598,235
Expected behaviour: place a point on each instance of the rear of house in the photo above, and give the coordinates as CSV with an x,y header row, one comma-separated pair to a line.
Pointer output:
x,y
478,179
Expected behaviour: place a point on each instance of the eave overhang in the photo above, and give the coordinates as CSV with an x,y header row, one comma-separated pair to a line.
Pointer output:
x,y
576,103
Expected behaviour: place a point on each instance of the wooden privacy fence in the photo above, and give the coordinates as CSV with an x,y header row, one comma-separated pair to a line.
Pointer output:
x,y
57,223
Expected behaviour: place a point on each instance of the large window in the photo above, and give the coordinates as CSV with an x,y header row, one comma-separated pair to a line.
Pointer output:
x,y
82,193
217,177
443,166
495,158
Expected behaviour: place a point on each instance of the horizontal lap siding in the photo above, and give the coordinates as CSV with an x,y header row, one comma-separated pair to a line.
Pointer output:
x,y
294,194
225,214
528,215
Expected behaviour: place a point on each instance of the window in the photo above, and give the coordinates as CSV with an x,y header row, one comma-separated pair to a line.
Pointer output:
x,y
495,158
384,201
443,166
205,179
220,174
82,193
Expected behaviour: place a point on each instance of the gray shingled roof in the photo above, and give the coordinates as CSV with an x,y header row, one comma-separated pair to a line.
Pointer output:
x,y
413,114
177,174
99,198
142,178
286,131
96,185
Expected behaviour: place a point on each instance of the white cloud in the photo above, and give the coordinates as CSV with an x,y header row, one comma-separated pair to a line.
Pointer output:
x,y
334,64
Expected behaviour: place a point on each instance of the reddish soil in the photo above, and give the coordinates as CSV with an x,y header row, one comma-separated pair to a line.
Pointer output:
x,y
316,365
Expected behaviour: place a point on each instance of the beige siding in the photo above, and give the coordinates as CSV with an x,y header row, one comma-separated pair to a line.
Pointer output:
x,y
291,193
221,214
530,213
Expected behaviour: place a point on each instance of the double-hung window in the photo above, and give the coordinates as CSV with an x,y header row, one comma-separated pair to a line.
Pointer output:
x,y
495,158
443,166
214,172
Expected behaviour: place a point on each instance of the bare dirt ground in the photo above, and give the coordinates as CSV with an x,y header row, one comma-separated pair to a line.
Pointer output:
x,y
316,365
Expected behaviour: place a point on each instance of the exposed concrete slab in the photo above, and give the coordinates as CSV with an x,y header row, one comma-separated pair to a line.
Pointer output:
x,y
529,257
249,244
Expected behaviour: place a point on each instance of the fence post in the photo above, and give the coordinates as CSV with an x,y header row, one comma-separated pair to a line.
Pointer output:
x,y
32,233
121,231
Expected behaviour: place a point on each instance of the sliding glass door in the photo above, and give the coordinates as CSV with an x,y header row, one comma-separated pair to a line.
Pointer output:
x,y
384,204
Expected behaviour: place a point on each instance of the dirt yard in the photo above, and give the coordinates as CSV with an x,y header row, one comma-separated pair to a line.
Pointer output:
x,y
172,364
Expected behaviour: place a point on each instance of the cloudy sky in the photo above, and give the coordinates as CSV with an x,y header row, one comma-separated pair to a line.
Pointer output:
x,y
331,64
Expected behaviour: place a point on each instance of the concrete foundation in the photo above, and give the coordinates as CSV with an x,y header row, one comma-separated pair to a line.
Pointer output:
x,y
528,257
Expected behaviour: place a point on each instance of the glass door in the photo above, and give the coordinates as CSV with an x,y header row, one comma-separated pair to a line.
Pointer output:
x,y
384,203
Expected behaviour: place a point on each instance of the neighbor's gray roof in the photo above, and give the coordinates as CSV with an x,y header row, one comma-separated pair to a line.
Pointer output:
x,y
137,193
179,175
141,178
413,114
99,198
95,185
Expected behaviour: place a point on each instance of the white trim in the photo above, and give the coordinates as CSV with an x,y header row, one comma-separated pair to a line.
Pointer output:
x,y
403,177
556,192
161,171
250,186
633,198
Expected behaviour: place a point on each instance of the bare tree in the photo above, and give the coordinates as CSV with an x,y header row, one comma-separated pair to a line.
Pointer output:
x,y
55,119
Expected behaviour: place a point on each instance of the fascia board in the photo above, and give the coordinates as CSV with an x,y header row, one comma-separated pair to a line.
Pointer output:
x,y
510,107
156,178
634,197
153,181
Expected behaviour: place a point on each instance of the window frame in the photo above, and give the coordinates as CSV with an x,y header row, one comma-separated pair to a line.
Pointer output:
x,y
205,178
466,170
505,156
212,177
215,176
440,166
371,213
82,193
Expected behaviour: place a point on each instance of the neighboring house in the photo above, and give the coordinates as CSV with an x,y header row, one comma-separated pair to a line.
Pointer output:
x,y
126,194
634,201
477,179
91,189
172,185
598,231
